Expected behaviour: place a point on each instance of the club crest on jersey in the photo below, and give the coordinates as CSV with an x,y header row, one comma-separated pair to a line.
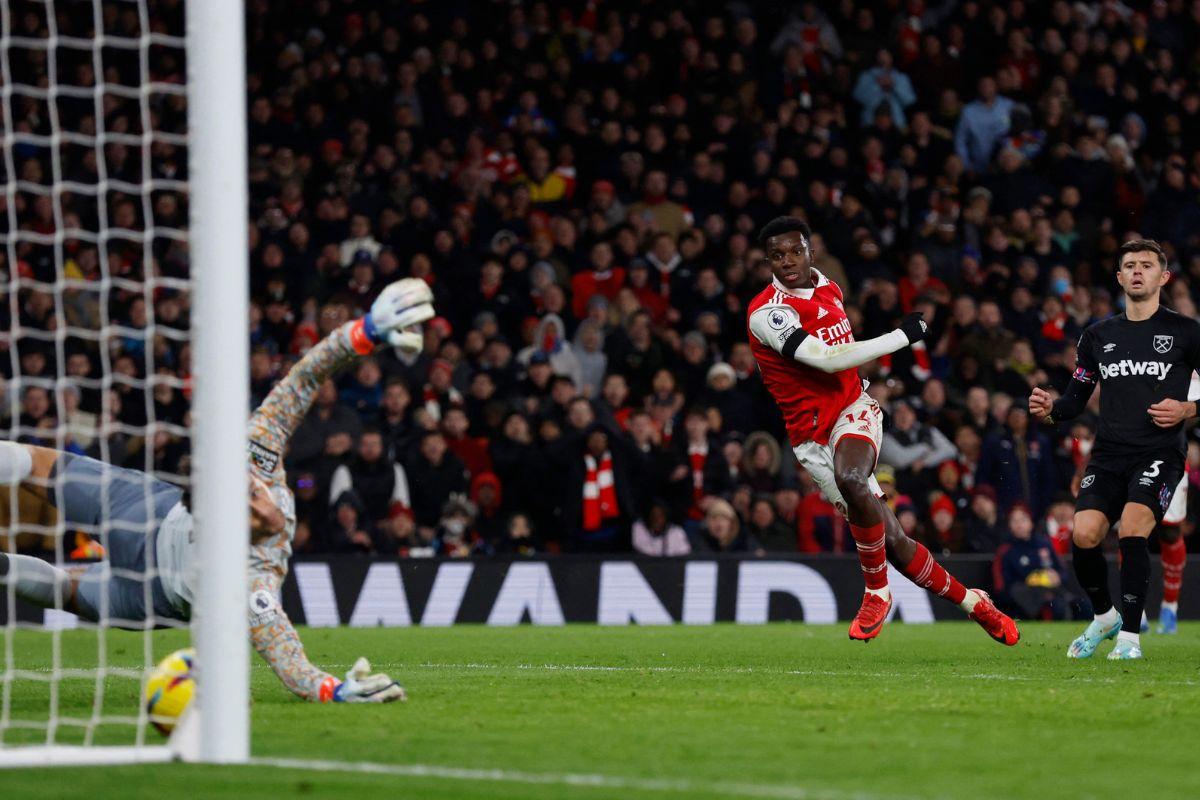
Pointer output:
x,y
1162,344
777,319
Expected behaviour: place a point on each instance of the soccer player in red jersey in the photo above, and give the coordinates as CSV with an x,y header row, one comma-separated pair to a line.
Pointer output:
x,y
809,361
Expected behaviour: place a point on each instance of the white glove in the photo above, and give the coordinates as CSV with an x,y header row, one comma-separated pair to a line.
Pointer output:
x,y
400,306
361,686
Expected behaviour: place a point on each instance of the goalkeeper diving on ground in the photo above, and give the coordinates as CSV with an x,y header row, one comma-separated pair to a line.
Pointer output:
x,y
150,569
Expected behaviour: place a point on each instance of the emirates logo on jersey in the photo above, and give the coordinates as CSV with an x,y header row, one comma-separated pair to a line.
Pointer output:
x,y
835,334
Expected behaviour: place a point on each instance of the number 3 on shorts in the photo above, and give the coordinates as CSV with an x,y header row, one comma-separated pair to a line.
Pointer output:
x,y
1153,471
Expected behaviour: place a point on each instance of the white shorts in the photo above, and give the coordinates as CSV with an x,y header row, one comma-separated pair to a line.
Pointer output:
x,y
1178,508
862,419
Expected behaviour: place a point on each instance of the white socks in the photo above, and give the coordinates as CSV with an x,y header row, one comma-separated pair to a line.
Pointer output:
x,y
1126,636
1108,617
15,463
885,592
35,580
969,600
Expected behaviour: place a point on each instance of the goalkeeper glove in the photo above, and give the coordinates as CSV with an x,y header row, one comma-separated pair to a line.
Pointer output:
x,y
361,686
914,327
401,305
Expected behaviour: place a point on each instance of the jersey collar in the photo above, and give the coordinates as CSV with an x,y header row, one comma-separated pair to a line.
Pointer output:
x,y
803,294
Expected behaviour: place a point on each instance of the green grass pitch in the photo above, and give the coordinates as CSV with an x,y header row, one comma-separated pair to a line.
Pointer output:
x,y
777,711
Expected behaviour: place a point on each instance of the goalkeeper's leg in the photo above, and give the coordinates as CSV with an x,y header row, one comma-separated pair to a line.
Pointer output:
x,y
38,582
53,486
29,470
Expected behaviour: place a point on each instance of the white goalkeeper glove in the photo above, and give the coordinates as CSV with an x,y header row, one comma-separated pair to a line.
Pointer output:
x,y
361,686
400,306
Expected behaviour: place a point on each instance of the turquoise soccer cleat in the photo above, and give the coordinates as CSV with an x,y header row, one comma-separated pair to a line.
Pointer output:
x,y
1125,651
1167,622
1095,633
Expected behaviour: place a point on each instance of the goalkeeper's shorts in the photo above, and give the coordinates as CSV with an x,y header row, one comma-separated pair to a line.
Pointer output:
x,y
123,509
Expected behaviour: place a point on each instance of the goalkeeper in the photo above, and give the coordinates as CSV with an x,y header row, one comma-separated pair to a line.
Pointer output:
x,y
151,569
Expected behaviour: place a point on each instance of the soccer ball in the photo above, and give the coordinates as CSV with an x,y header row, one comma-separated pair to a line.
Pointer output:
x,y
170,689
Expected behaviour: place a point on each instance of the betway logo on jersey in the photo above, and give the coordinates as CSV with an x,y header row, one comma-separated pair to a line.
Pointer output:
x,y
1125,367
835,334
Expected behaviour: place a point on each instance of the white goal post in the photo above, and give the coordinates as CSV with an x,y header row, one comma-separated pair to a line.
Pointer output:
x,y
217,128
216,729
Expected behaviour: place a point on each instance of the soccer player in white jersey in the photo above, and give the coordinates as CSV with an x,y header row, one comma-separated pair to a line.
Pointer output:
x,y
149,525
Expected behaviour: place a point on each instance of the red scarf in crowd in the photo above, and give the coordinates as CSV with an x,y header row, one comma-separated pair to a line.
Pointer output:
x,y
599,492
697,458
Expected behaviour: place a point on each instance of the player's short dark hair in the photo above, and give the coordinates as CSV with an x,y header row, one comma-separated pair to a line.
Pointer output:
x,y
782,225
1142,246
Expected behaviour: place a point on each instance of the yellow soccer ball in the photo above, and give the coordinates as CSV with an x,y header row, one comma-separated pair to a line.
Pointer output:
x,y
170,689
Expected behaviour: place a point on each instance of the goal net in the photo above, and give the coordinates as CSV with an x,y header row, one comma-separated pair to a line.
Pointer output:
x,y
121,346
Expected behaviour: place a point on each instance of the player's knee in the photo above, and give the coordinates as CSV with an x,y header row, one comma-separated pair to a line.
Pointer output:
x,y
1087,536
1136,520
854,484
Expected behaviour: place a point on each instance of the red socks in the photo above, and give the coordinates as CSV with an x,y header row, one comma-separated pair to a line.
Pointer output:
x,y
871,554
930,575
1174,558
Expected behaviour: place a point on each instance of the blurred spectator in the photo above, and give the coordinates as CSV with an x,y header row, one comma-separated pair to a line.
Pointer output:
x,y
597,467
435,475
1027,572
722,530
379,485
1019,464
764,525
982,531
655,534
518,537
912,447
702,465
983,123
320,430
884,88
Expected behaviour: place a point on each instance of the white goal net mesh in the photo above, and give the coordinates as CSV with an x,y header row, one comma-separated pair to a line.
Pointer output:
x,y
95,322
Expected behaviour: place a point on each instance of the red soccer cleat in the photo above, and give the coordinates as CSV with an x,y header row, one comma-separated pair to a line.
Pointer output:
x,y
868,622
999,626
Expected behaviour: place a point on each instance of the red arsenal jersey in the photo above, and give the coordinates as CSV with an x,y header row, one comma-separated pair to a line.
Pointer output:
x,y
810,399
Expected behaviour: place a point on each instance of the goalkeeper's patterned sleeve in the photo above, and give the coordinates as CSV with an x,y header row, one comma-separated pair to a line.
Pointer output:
x,y
274,422
278,643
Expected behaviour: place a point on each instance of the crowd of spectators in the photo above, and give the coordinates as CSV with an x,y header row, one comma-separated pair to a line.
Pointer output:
x,y
581,184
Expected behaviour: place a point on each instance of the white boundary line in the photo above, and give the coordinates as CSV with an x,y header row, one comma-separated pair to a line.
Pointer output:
x,y
574,779
823,673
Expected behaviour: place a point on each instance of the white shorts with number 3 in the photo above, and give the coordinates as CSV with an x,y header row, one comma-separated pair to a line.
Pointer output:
x,y
862,419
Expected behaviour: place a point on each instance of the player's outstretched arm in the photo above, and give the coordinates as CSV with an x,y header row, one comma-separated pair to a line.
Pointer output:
x,y
778,327
401,305
276,640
